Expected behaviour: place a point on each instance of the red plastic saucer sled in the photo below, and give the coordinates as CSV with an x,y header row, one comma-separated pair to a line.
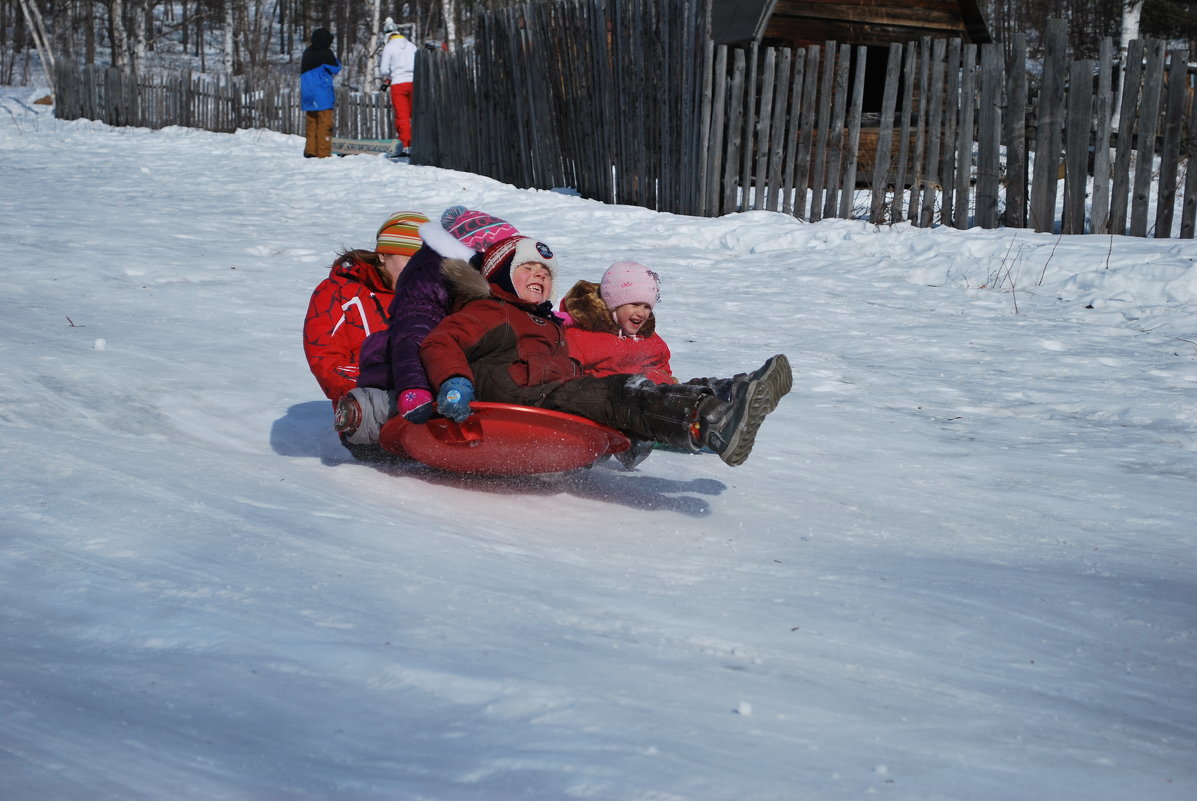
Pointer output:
x,y
502,439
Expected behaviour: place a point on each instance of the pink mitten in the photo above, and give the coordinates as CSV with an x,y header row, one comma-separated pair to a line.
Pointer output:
x,y
415,405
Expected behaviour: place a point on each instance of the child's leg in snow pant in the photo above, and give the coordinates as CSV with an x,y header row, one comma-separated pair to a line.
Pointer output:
x,y
634,405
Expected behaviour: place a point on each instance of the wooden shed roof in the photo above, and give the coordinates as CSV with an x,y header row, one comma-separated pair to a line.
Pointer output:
x,y
866,22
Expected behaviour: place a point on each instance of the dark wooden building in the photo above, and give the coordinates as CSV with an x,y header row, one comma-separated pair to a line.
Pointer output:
x,y
874,23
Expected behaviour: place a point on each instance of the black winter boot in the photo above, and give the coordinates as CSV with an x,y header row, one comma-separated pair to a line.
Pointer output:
x,y
725,388
729,429
722,387
665,413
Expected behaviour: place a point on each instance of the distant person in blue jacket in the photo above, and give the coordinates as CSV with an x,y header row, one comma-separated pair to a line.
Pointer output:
x,y
317,69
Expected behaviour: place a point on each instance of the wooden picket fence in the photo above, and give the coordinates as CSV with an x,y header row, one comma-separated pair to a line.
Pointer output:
x,y
211,102
554,95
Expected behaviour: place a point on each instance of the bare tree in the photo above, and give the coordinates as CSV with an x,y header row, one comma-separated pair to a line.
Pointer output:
x,y
34,18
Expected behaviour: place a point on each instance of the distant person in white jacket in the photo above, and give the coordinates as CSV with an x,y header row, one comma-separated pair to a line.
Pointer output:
x,y
397,69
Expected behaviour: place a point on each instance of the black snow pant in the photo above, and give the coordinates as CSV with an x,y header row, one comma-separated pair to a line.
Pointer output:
x,y
632,404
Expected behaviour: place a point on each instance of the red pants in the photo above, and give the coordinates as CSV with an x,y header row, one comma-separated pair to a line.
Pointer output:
x,y
401,100
318,142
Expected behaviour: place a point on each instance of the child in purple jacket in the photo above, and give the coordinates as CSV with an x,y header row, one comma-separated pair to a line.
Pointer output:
x,y
392,379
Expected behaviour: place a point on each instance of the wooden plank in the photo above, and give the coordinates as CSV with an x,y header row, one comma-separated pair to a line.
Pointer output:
x,y
702,157
1076,147
350,146
810,109
777,128
835,143
821,133
918,184
654,145
852,153
538,37
696,139
792,132
1130,88
885,135
989,137
719,91
599,169
1050,128
965,137
735,134
764,127
1174,113
951,121
897,206
934,133
1016,134
661,177
1188,211
1145,131
749,141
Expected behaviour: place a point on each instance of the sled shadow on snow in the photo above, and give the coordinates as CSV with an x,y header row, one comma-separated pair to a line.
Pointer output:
x,y
306,431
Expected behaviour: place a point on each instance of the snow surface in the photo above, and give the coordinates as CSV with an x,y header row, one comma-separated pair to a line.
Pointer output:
x,y
959,564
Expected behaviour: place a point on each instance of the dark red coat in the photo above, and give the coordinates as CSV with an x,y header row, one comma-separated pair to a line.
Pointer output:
x,y
345,308
500,343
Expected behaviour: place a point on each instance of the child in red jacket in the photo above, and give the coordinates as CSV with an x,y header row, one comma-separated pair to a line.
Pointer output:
x,y
352,302
610,326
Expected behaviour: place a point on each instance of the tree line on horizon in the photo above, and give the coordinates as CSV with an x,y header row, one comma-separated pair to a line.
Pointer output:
x,y
247,37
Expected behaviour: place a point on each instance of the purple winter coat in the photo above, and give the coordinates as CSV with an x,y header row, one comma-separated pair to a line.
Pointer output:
x,y
390,359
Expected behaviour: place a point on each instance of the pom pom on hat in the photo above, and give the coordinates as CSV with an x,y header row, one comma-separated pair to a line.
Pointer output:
x,y
476,229
629,282
400,233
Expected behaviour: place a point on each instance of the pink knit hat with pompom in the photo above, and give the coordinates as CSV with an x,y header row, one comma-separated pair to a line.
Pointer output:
x,y
476,229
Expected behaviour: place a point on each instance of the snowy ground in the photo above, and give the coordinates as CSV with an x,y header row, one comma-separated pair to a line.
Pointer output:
x,y
959,564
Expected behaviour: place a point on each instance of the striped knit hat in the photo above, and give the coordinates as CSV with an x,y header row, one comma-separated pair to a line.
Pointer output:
x,y
475,229
400,233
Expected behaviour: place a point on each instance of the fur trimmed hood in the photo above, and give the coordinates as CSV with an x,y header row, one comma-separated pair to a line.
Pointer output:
x,y
585,305
464,281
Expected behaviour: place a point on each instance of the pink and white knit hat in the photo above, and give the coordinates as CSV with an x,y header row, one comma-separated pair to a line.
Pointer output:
x,y
476,229
629,282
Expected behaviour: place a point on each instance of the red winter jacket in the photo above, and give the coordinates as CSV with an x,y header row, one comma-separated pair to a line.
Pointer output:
x,y
345,308
597,343
602,354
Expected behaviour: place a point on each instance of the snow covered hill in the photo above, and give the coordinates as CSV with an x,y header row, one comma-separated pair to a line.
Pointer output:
x,y
959,564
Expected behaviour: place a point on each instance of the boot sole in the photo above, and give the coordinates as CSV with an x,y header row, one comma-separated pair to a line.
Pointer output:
x,y
777,372
764,392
